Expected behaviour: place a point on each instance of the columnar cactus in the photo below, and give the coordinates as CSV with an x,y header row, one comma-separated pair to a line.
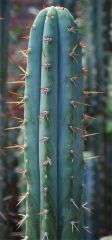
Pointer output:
x,y
101,12
4,191
53,147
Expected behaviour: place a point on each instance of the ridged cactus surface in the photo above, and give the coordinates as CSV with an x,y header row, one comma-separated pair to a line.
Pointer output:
x,y
54,135
4,167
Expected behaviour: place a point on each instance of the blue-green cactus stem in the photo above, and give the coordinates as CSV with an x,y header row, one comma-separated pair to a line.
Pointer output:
x,y
31,115
5,170
48,128
53,129
70,143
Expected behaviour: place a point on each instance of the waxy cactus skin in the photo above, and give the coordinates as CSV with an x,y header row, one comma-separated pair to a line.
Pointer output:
x,y
54,134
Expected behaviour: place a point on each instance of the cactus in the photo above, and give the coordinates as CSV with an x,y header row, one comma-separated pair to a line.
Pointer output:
x,y
4,20
101,14
98,18
53,146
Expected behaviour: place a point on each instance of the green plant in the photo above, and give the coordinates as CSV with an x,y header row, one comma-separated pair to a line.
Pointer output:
x,y
4,191
53,147
100,28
